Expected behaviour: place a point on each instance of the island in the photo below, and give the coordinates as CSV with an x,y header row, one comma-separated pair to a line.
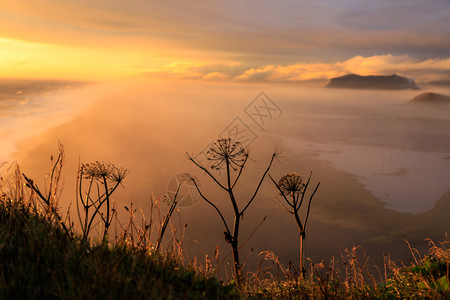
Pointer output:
x,y
373,82
432,98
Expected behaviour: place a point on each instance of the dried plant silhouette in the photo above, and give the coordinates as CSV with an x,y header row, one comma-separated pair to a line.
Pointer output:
x,y
49,199
95,184
232,157
293,190
133,233
168,216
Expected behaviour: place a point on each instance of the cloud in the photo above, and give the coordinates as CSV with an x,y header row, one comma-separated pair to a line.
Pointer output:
x,y
215,76
385,15
254,40
259,74
255,27
421,70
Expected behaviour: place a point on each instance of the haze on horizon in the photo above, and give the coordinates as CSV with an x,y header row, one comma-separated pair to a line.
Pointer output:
x,y
264,41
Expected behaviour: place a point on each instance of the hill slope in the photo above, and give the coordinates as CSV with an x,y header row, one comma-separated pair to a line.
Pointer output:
x,y
432,98
39,260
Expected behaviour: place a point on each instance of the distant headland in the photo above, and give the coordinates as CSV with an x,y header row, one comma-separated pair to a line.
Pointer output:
x,y
432,98
373,82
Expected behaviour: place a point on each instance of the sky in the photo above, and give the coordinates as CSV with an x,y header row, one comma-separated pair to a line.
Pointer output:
x,y
245,40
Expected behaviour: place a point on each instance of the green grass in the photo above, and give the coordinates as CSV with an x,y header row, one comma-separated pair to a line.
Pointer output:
x,y
39,260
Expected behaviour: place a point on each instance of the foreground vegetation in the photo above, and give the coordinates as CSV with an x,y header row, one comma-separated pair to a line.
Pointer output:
x,y
43,256
39,260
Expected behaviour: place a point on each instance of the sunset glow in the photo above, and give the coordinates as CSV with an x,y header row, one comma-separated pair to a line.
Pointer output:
x,y
22,59
240,41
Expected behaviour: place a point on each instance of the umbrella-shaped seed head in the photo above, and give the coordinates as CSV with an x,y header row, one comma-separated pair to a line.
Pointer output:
x,y
291,184
224,151
99,170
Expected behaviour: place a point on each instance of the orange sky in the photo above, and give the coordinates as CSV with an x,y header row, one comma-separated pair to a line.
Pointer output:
x,y
283,41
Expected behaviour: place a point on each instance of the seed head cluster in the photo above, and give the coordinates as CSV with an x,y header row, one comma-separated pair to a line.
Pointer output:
x,y
291,184
224,150
100,170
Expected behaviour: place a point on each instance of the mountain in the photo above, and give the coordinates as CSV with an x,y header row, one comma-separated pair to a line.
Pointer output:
x,y
372,82
431,97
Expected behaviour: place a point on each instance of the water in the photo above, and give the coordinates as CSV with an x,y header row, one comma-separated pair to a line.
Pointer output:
x,y
406,180
29,108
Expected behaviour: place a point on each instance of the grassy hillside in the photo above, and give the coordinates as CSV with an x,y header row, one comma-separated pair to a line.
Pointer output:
x,y
39,260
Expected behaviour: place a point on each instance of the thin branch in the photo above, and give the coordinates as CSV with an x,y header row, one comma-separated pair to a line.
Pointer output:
x,y
97,209
309,204
240,172
76,197
212,204
204,169
53,173
260,183
169,214
253,232
88,193
107,193
283,205
35,188
107,207
304,191
282,194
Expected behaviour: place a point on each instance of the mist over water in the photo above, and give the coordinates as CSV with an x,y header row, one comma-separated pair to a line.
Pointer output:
x,y
377,157
406,180
29,108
